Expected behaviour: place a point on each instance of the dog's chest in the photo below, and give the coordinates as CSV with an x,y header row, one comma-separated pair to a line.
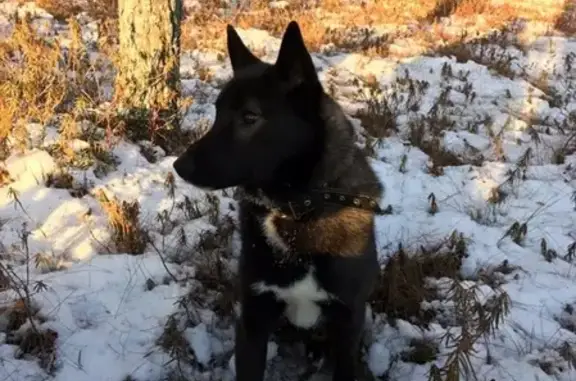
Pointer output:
x,y
302,299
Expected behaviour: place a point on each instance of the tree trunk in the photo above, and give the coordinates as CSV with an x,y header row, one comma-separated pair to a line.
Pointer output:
x,y
147,86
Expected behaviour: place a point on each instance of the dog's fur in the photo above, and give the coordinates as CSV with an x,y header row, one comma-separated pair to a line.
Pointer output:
x,y
277,133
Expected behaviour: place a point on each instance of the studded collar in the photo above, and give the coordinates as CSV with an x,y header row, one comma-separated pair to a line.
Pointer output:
x,y
301,205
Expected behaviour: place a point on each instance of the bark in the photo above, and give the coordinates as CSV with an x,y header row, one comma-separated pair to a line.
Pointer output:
x,y
148,80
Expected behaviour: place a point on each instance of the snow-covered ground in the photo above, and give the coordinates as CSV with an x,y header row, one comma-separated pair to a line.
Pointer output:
x,y
110,310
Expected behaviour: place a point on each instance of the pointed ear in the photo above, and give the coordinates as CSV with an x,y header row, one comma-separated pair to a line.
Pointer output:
x,y
240,55
294,63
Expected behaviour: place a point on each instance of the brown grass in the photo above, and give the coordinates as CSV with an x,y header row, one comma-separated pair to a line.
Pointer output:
x,y
33,341
128,235
174,343
22,99
346,26
335,21
62,10
420,352
212,271
40,344
566,21
36,87
403,282
4,177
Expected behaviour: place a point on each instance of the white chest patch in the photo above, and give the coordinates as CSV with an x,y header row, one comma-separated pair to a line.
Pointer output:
x,y
301,299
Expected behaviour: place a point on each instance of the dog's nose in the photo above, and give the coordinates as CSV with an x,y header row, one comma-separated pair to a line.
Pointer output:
x,y
183,166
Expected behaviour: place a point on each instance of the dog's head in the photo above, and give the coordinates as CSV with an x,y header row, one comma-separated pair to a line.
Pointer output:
x,y
267,127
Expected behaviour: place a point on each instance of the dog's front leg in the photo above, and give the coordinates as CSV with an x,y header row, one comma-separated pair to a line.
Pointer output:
x,y
259,313
345,331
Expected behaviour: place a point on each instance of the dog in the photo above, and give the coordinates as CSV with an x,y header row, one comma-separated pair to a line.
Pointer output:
x,y
307,206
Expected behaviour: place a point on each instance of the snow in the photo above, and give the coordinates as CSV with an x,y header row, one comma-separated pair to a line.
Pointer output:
x,y
110,309
199,340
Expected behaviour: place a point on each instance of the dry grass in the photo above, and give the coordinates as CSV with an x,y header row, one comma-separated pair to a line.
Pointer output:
x,y
63,10
339,23
378,116
173,342
37,87
335,23
555,361
23,101
566,22
403,285
128,236
407,282
213,288
488,50
420,352
567,319
40,344
5,178
478,321
350,27
21,318
212,268
62,179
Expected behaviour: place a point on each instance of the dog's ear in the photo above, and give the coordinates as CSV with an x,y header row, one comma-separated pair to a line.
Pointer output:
x,y
240,55
294,63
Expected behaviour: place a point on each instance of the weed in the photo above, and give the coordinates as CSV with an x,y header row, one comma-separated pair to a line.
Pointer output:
x,y
173,342
212,269
59,180
489,50
403,282
384,104
548,254
432,204
477,321
62,179
517,233
5,178
570,252
22,101
64,9
40,344
494,275
420,352
445,8
378,117
47,263
566,22
21,317
128,235
555,361
567,318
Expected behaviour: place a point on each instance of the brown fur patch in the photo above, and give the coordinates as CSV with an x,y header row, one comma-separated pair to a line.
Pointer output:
x,y
346,232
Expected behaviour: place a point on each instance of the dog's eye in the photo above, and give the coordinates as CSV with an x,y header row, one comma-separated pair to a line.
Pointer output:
x,y
250,117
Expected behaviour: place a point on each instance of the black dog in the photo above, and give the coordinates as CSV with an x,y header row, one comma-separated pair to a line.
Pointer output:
x,y
308,205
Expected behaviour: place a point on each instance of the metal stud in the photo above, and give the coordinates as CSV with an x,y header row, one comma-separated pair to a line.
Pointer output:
x,y
356,202
307,202
342,198
326,196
